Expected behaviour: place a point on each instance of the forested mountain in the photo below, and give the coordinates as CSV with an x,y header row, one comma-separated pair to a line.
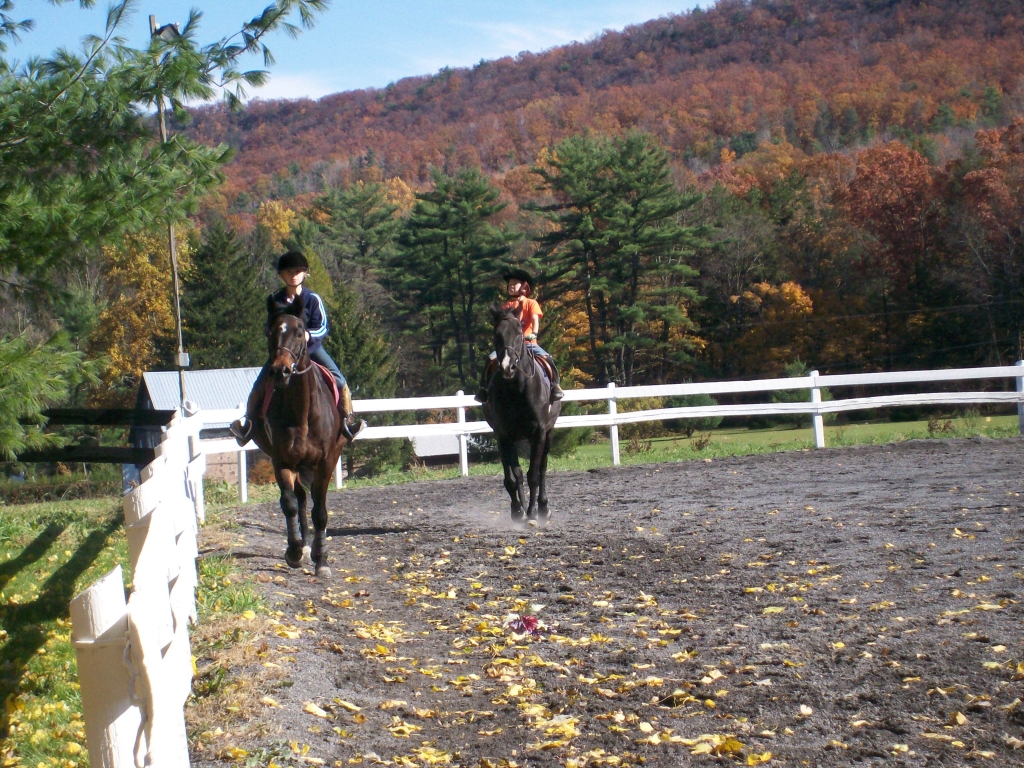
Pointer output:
x,y
821,74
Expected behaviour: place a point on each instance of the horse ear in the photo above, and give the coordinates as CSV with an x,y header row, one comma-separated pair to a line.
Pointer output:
x,y
297,305
271,305
497,312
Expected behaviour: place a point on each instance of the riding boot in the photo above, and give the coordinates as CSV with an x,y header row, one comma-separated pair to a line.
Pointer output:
x,y
242,431
485,378
556,390
350,426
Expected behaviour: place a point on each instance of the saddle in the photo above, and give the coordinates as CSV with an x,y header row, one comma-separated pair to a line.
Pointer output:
x,y
543,362
268,390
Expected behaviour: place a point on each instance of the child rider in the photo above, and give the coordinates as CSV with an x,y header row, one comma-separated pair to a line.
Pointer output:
x,y
292,268
518,284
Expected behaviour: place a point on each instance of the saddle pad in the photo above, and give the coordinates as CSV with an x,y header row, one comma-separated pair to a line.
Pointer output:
x,y
329,379
268,389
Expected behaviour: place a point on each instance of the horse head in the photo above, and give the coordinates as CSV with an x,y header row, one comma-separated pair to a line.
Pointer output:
x,y
509,344
286,339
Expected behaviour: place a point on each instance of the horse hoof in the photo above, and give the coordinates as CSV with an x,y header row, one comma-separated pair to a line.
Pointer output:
x,y
323,572
518,516
307,557
294,559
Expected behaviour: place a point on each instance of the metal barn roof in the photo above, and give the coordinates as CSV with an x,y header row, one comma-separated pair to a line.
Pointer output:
x,y
214,389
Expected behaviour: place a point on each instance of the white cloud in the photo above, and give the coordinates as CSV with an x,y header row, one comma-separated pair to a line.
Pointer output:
x,y
506,38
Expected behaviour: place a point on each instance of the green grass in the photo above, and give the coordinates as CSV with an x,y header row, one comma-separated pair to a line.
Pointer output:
x,y
48,553
224,589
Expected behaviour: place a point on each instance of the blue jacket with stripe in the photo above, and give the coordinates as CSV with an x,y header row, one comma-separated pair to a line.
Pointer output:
x,y
314,315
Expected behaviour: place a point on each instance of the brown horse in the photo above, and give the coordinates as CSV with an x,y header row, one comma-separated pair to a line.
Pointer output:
x,y
302,434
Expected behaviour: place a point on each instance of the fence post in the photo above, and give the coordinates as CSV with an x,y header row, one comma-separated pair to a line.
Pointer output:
x,y
339,473
243,478
99,634
1020,405
613,430
819,422
463,440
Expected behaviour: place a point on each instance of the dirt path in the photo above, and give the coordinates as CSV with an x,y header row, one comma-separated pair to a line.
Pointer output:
x,y
843,607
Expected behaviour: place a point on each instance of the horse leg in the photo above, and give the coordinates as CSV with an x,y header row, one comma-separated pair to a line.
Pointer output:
x,y
321,481
533,475
542,488
305,483
287,480
513,476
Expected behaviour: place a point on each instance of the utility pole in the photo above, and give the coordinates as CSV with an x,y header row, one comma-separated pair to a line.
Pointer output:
x,y
181,360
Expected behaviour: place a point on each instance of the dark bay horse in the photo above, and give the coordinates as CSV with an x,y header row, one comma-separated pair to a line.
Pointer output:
x,y
518,408
301,433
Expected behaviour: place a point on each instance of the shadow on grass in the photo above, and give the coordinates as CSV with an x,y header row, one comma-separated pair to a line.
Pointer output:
x,y
30,554
25,623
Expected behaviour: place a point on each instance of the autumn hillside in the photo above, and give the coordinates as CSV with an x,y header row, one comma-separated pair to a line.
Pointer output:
x,y
822,74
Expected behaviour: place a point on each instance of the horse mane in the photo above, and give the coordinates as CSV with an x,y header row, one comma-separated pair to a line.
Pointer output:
x,y
275,308
499,313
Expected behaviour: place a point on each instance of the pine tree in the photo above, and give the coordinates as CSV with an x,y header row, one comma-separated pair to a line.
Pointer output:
x,y
617,247
445,273
32,377
222,304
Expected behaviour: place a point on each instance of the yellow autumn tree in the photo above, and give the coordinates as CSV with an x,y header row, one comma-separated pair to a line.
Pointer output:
x,y
778,332
136,328
275,222
399,194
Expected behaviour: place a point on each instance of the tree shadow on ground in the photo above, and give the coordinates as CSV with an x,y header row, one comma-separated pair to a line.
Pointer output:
x,y
24,624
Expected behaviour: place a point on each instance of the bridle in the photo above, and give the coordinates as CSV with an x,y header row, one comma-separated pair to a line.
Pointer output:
x,y
296,356
518,354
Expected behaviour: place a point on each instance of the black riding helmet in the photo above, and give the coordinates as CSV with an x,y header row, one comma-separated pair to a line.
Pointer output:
x,y
518,273
293,260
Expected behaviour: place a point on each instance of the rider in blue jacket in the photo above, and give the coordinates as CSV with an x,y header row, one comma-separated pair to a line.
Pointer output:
x,y
293,268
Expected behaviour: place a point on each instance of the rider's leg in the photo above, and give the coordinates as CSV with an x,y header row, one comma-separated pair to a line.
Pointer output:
x,y
556,391
243,431
350,427
485,375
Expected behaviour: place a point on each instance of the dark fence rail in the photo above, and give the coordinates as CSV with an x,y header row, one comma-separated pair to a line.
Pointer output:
x,y
108,417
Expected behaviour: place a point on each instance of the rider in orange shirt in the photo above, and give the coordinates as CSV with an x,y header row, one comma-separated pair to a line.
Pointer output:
x,y
518,284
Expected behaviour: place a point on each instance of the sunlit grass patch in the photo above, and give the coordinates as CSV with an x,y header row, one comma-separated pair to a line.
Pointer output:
x,y
48,553
234,671
225,590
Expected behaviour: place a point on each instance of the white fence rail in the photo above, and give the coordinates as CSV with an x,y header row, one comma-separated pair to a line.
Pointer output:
x,y
134,657
814,383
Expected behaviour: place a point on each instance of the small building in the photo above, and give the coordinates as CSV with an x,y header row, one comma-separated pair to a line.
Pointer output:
x,y
216,389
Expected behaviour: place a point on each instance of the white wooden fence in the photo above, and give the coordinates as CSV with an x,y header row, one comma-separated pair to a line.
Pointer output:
x,y
813,382
134,658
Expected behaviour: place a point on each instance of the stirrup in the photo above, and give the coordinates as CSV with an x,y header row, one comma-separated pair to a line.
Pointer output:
x,y
557,393
242,434
351,430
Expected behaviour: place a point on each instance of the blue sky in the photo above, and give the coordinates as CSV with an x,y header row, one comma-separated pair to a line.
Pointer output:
x,y
364,44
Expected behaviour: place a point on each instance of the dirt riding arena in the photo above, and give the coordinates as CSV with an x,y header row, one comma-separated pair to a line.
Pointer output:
x,y
859,606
